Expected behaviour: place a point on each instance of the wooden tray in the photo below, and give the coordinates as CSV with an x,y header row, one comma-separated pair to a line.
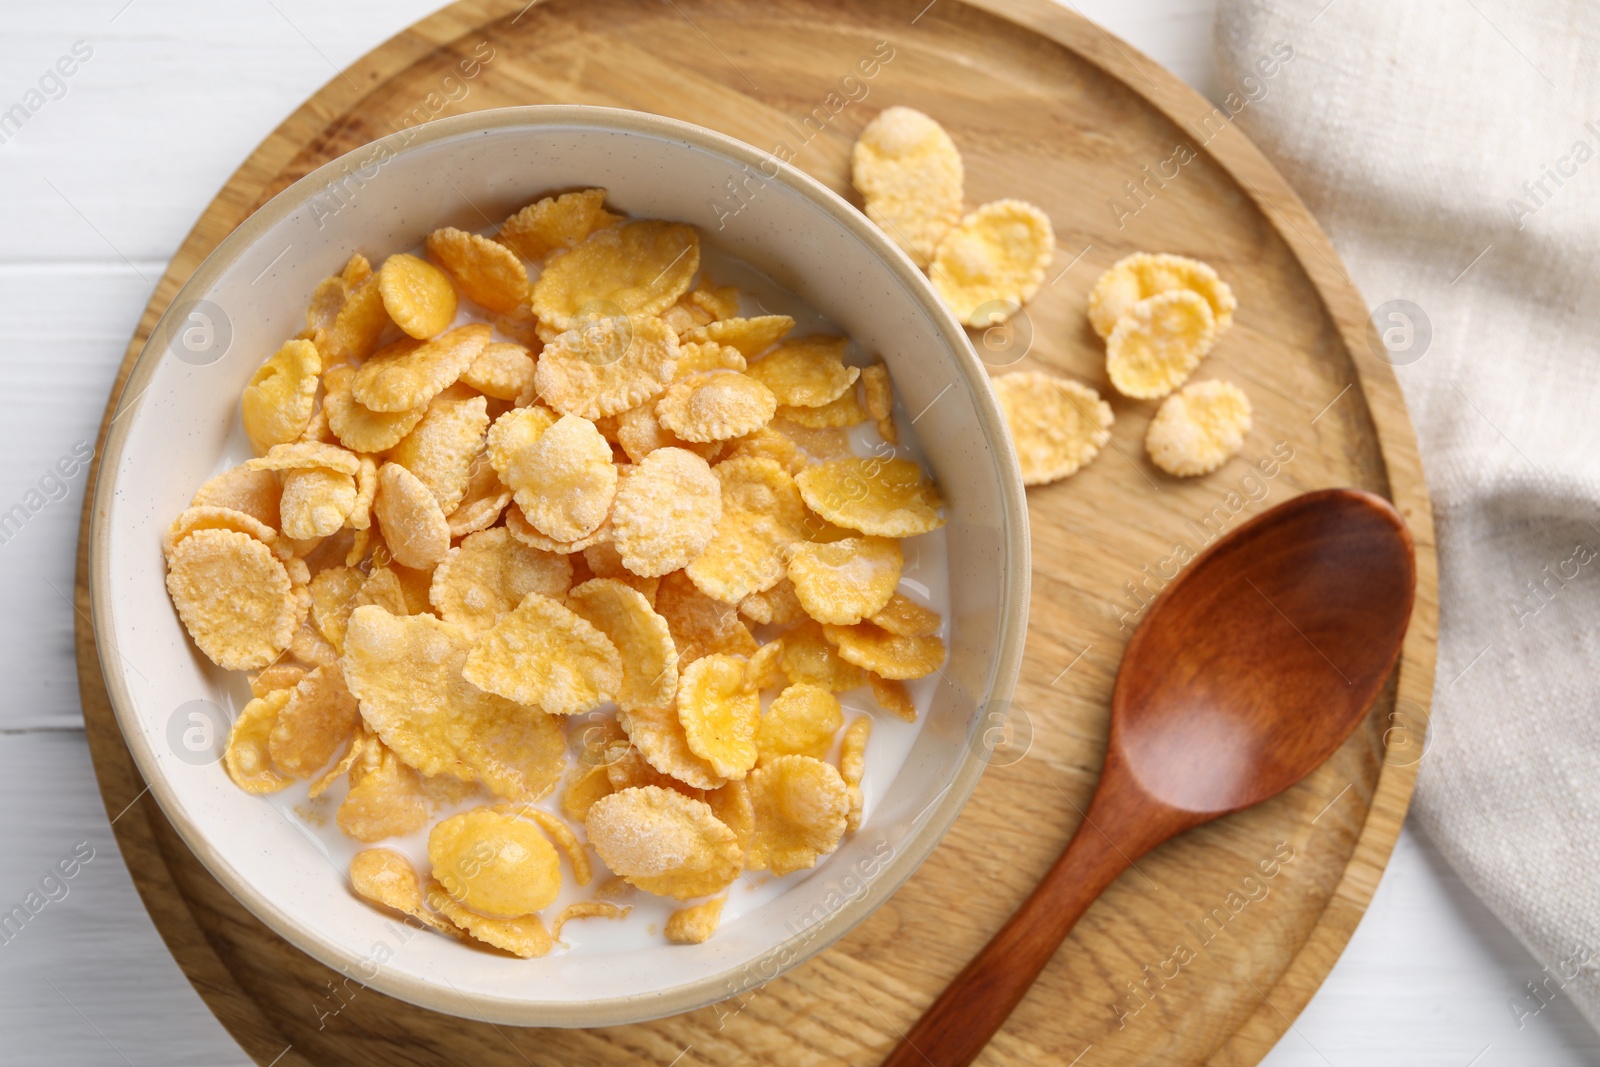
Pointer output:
x,y
1197,957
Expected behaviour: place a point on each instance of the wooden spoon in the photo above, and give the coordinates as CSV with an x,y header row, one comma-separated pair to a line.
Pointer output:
x,y
1251,668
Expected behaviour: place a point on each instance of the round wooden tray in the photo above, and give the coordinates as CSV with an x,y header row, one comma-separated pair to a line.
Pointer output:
x,y
1208,950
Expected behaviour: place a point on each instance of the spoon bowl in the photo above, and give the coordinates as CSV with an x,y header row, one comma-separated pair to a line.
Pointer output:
x,y
1252,667
1258,661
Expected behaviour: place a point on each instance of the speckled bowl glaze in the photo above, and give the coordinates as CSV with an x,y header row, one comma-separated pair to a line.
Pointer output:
x,y
179,418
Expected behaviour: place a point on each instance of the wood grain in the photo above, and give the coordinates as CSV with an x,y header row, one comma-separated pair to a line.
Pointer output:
x,y
1046,107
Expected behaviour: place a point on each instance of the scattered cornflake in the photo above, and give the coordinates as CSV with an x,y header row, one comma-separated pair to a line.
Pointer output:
x,y
692,925
1199,428
359,323
1057,425
699,624
234,597
994,261
664,842
276,676
767,443
882,497
277,402
845,581
489,273
801,807
1143,275
910,175
1158,343
417,295
565,480
839,414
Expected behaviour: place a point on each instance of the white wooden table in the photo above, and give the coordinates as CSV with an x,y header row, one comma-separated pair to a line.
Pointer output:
x,y
97,189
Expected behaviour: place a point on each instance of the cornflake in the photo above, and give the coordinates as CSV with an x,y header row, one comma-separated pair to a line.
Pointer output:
x,y
640,268
440,450
807,372
715,405
246,757
906,617
606,364
1057,425
498,866
692,925
892,697
719,714
406,374
524,936
1143,275
664,842
1199,428
277,404
555,223
853,766
750,336
667,507
801,807
416,295
489,274
994,261
761,519
845,581
883,497
544,654
489,573
234,597
1158,342
910,175
800,722
885,654
657,734
641,637
385,877
413,525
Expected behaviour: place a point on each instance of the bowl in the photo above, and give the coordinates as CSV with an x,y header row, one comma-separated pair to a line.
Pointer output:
x,y
178,423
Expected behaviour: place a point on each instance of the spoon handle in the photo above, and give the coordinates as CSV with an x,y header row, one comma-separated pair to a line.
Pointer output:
x,y
960,1023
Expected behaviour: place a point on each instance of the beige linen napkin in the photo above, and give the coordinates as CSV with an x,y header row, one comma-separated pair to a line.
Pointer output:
x,y
1451,149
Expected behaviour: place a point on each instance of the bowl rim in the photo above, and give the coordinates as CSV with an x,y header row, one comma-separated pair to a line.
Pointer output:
x,y
938,817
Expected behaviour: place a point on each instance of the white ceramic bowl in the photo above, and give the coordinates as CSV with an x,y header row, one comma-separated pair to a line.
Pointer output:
x,y
180,416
